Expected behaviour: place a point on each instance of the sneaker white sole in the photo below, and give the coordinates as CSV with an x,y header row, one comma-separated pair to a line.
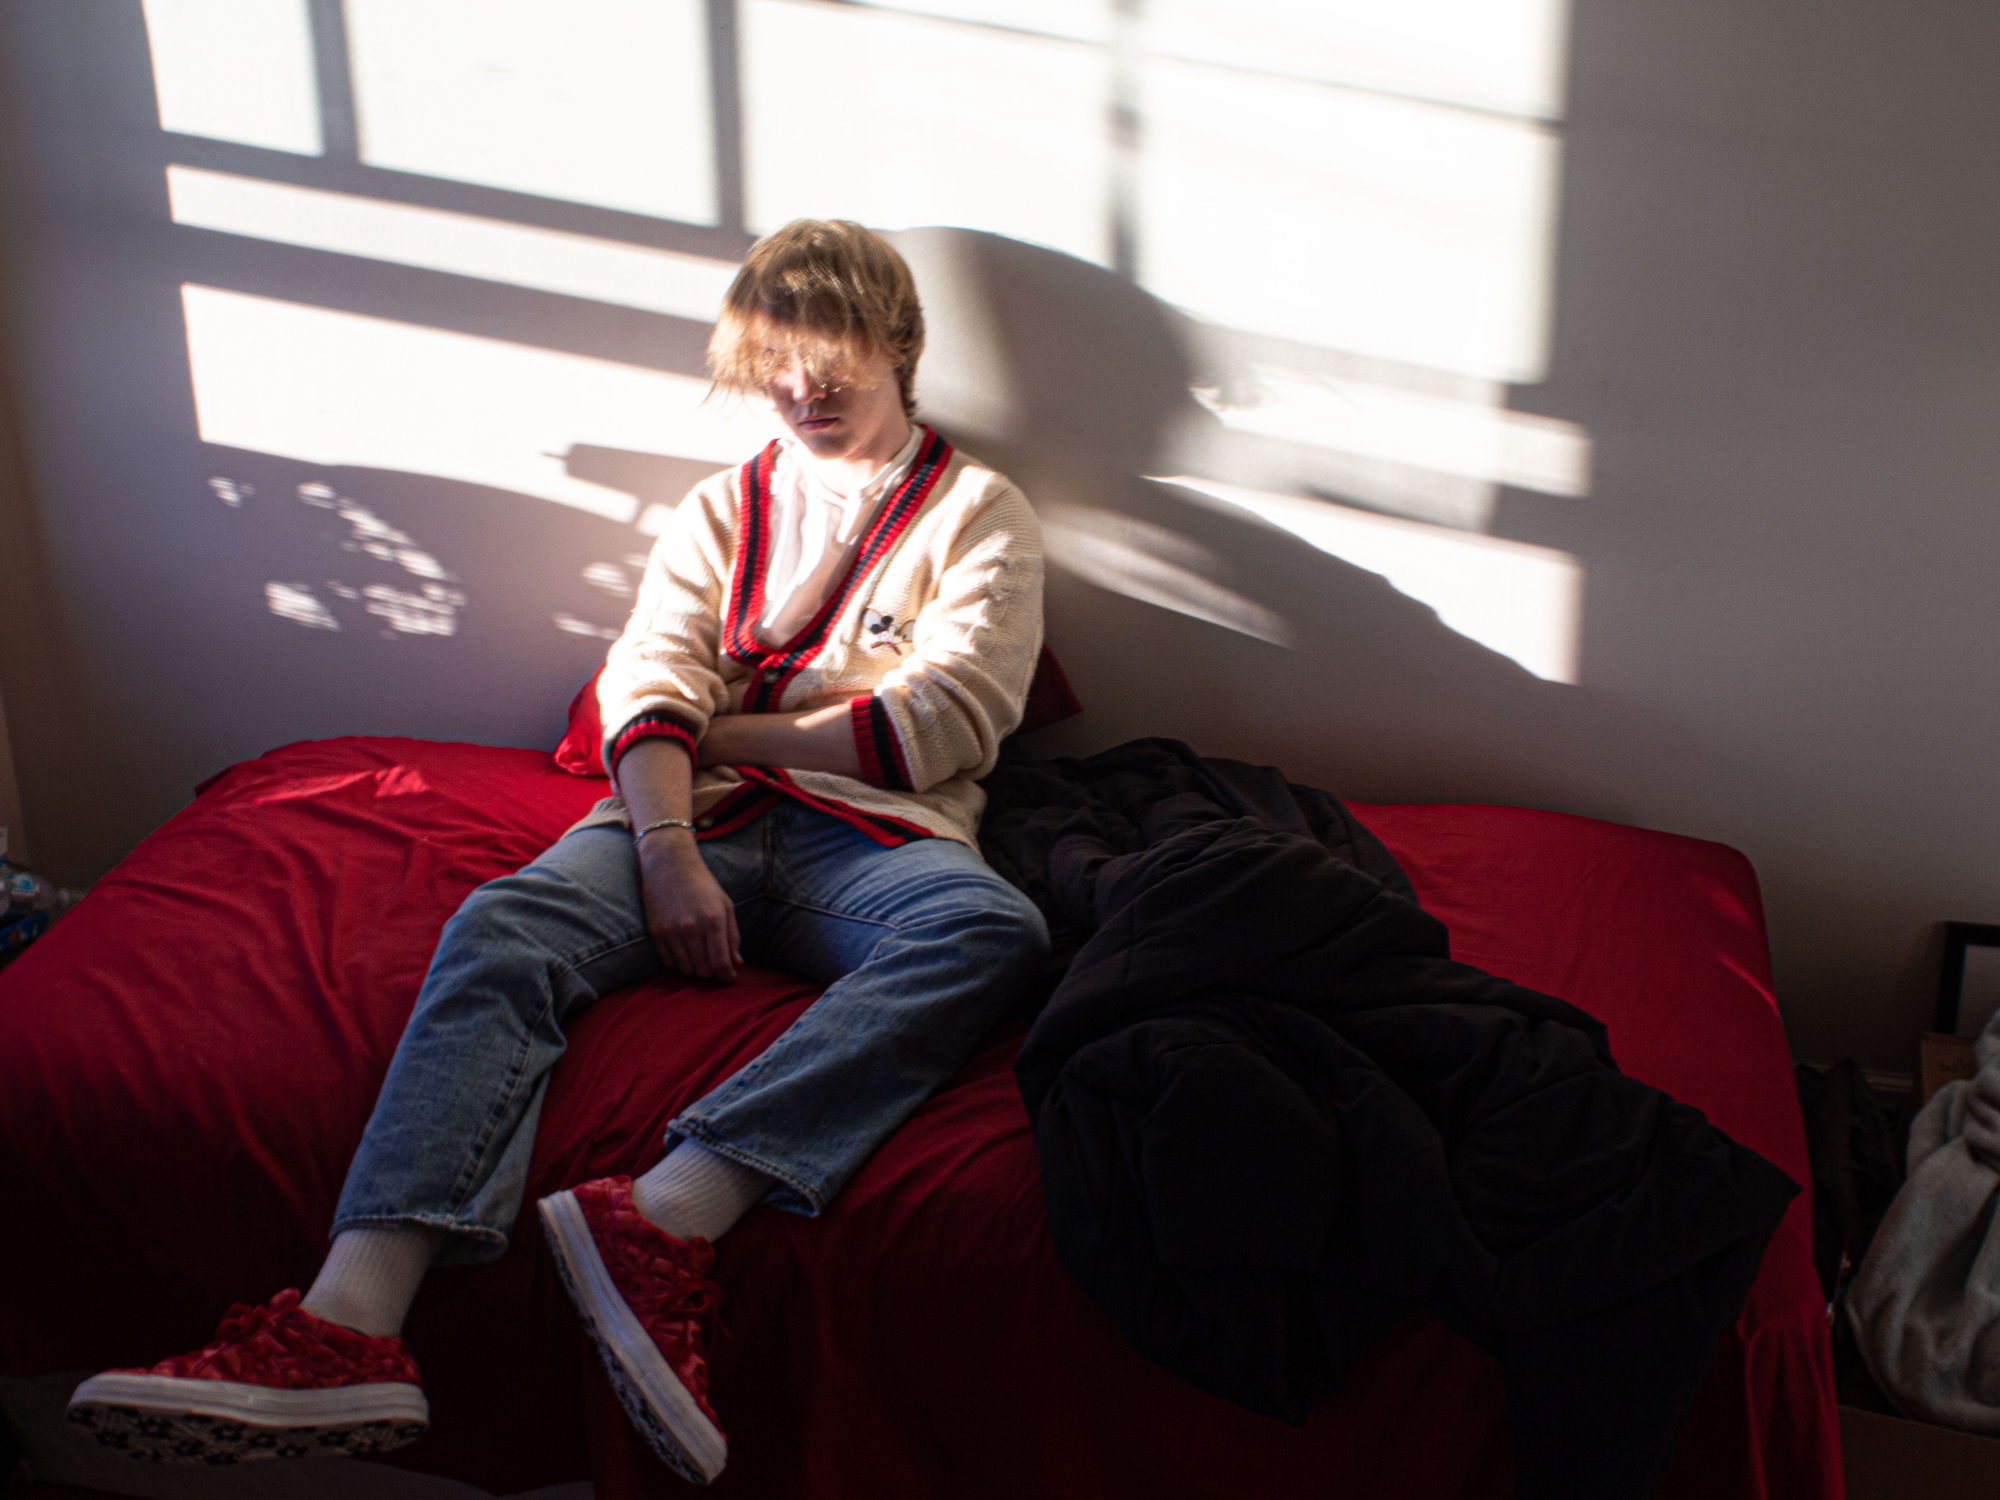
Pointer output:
x,y
665,1411
166,1419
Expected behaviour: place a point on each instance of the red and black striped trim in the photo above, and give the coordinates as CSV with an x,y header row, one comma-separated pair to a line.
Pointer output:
x,y
773,667
739,809
889,832
745,604
655,723
877,747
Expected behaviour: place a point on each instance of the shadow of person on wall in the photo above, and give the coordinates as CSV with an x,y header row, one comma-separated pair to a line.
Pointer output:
x,y
1077,384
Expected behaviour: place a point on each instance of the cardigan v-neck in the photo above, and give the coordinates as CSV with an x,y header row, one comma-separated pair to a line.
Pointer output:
x,y
774,667
815,530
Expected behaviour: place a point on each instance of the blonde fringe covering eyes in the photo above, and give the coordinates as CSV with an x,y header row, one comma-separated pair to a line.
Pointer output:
x,y
827,293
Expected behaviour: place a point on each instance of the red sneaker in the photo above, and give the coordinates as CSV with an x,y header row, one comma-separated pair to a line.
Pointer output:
x,y
276,1383
645,1297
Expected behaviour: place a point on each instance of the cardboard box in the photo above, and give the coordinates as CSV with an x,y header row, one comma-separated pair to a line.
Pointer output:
x,y
1941,1058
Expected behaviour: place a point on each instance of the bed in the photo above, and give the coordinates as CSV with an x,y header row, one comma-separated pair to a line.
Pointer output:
x,y
188,1059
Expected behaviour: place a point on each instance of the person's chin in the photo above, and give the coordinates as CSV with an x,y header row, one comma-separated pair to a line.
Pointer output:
x,y
831,441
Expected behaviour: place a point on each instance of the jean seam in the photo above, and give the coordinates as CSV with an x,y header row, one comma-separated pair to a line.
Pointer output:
x,y
827,911
595,954
462,1190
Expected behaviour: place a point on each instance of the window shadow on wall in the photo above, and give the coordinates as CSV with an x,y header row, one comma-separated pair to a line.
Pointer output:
x,y
235,594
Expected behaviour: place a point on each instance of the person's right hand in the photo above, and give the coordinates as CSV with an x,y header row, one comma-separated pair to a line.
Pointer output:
x,y
690,919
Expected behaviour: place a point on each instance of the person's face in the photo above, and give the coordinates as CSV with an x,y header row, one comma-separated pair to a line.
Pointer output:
x,y
842,421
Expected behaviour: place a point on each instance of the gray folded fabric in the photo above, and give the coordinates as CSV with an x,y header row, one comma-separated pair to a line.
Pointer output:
x,y
1925,1305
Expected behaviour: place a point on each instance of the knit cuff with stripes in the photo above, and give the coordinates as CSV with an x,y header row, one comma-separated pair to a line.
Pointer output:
x,y
876,746
654,724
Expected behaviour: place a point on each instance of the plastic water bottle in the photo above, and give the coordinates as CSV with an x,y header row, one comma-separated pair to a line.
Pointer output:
x,y
25,892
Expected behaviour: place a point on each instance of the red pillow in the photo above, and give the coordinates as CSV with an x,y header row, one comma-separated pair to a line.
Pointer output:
x,y
582,749
581,752
1050,700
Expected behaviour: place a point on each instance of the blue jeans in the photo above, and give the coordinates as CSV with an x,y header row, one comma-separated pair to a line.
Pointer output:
x,y
921,948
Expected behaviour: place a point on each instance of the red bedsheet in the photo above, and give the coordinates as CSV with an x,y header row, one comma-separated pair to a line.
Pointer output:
x,y
189,1058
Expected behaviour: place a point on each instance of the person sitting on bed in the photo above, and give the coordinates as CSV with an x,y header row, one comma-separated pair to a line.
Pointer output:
x,y
828,646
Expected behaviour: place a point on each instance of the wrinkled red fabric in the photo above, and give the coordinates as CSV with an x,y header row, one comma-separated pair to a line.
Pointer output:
x,y
190,1057
663,1280
284,1347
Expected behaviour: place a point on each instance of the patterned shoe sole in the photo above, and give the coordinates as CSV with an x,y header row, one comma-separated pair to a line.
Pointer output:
x,y
195,1438
666,1415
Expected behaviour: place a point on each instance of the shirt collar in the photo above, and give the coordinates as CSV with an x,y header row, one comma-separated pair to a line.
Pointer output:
x,y
814,484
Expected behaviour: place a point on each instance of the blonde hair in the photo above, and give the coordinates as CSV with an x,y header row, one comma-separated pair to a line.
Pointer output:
x,y
825,291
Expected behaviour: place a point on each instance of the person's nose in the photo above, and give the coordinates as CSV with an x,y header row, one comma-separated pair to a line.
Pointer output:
x,y
796,384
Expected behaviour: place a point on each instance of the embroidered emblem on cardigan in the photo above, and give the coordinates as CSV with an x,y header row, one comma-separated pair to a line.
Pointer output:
x,y
882,633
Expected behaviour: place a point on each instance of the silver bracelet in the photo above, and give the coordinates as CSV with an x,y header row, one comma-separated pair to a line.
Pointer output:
x,y
663,823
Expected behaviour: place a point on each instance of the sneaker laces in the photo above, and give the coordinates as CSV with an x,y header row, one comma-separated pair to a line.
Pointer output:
x,y
242,1323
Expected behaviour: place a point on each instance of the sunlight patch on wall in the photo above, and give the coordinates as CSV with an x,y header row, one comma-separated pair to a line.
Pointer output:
x,y
236,70
569,624
609,577
1523,602
1356,221
1409,427
431,611
595,101
546,260
1155,566
1504,56
1380,180
337,388
948,125
371,536
1080,20
427,603
297,602
1374,178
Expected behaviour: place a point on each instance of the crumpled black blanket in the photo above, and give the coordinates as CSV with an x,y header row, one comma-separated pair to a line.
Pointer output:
x,y
1274,1117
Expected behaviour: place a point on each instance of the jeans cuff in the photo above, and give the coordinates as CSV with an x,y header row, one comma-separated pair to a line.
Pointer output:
x,y
471,1244
792,1194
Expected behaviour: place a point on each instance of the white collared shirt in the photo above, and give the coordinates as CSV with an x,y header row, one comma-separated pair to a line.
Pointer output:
x,y
814,532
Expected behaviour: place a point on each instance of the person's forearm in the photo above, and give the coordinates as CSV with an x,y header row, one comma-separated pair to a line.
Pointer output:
x,y
822,740
656,780
688,916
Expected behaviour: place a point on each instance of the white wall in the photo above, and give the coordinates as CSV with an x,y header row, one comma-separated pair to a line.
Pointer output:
x,y
1652,347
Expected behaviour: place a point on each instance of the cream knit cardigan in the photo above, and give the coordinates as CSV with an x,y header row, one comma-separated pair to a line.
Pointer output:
x,y
934,633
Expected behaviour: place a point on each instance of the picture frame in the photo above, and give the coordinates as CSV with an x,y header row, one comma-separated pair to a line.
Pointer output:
x,y
1960,941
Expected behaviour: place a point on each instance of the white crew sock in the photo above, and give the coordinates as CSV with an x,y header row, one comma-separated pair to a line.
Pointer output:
x,y
371,1276
696,1193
